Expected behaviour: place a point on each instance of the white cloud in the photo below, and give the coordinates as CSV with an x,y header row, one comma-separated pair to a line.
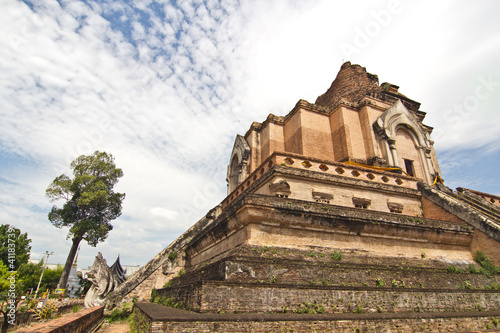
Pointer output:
x,y
164,213
168,103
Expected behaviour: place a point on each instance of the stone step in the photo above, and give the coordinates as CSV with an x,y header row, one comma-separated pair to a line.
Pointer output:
x,y
165,319
221,296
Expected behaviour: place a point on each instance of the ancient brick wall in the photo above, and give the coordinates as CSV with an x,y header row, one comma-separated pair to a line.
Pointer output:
x,y
156,280
433,211
352,83
487,245
293,134
219,296
158,319
318,325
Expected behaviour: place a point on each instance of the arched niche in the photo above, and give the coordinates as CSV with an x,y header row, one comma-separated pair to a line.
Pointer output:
x,y
408,152
413,145
237,169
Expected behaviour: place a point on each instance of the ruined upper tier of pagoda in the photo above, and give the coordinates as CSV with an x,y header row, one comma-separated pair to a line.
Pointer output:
x,y
357,120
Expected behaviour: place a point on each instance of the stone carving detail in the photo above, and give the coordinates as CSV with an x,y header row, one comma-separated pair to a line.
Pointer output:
x,y
361,202
118,270
214,212
237,169
103,281
322,197
233,268
395,207
386,126
280,189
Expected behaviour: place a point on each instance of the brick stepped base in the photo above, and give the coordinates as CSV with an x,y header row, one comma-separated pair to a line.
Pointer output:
x,y
219,296
158,319
251,264
252,279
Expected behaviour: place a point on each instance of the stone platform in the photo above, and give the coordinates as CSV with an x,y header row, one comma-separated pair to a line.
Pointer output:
x,y
157,318
267,279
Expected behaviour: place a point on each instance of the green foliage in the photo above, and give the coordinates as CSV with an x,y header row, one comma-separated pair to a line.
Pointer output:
x,y
466,285
487,267
167,301
31,274
379,282
51,277
359,309
473,269
139,323
172,255
11,288
90,203
453,269
310,308
181,272
336,255
76,308
153,295
168,284
21,243
120,313
272,279
492,285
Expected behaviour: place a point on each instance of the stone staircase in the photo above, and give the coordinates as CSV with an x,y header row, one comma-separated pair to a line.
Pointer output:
x,y
480,204
467,207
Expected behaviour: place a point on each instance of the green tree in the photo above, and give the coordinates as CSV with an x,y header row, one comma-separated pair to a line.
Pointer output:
x,y
22,246
90,203
51,278
30,274
11,288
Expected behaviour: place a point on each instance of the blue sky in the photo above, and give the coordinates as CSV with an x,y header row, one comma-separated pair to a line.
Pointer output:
x,y
165,86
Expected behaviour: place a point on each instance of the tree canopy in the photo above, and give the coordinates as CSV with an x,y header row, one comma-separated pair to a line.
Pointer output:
x,y
21,243
90,203
12,282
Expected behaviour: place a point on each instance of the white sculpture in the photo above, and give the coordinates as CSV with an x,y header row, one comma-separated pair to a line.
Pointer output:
x,y
103,281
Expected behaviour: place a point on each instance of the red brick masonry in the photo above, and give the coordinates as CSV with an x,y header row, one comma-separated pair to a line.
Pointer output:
x,y
72,323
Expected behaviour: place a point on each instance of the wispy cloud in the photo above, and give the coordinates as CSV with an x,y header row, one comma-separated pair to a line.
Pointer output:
x,y
166,86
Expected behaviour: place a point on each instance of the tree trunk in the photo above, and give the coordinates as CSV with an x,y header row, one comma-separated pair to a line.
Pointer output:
x,y
63,281
5,324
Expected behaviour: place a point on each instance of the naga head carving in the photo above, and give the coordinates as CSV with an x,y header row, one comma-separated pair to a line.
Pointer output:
x,y
103,281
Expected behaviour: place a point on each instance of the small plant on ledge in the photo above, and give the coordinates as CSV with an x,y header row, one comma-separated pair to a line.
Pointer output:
x,y
336,255
379,282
